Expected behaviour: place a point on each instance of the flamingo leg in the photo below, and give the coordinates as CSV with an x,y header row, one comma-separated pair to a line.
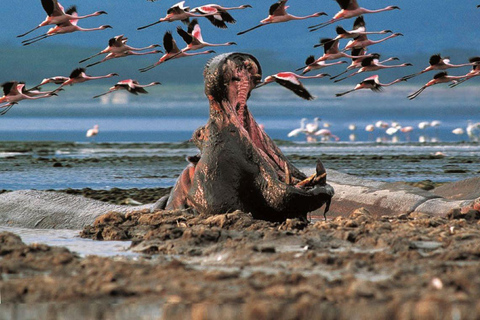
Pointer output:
x,y
81,61
339,74
24,34
102,94
8,107
149,25
350,75
324,24
36,40
416,93
248,30
343,93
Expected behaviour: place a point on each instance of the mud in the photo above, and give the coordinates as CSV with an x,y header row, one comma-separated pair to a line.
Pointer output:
x,y
232,266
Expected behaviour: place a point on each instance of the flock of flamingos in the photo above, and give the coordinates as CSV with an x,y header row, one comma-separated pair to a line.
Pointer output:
x,y
66,21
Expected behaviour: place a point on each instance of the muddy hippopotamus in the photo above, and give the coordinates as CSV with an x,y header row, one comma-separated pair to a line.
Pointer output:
x,y
239,166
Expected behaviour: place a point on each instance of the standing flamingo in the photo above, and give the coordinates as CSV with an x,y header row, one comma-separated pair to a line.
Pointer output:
x,y
359,28
290,81
131,86
92,132
326,135
475,72
221,16
441,77
438,63
278,13
78,75
177,12
297,131
14,91
362,41
172,52
371,83
118,44
65,27
193,38
372,64
349,9
57,15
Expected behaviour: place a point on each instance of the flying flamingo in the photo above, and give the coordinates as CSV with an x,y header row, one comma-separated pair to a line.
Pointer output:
x,y
131,86
193,38
312,65
278,13
290,81
441,77
371,83
14,91
297,131
359,28
78,76
372,64
65,27
57,15
362,41
473,73
221,16
177,12
331,51
117,45
356,61
349,9
438,63
172,52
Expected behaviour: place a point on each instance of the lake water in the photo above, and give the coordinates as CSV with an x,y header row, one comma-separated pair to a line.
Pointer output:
x,y
140,143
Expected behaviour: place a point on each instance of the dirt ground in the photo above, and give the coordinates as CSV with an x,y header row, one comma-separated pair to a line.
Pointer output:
x,y
233,267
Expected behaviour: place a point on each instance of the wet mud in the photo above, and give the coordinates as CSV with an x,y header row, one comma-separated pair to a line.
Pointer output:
x,y
232,266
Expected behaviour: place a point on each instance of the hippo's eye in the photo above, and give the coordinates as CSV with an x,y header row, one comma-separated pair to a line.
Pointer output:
x,y
235,78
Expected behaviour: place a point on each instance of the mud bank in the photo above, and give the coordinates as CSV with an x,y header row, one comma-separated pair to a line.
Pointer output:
x,y
231,266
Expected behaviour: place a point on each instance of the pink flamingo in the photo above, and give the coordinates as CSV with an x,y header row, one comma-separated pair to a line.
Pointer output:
x,y
438,63
131,86
475,72
331,51
57,15
64,27
278,13
221,16
312,65
290,81
193,38
372,64
349,9
359,28
362,41
326,135
177,12
92,132
78,75
371,83
172,52
441,77
14,91
118,45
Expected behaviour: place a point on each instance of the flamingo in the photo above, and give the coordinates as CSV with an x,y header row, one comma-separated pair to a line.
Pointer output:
x,y
441,77
57,15
78,76
312,65
131,86
407,130
68,26
358,29
177,12
371,83
221,16
326,135
118,44
362,41
193,38
92,132
473,131
172,52
357,62
14,91
438,63
458,131
290,81
349,9
278,13
297,131
123,54
372,64
331,51
311,128
473,73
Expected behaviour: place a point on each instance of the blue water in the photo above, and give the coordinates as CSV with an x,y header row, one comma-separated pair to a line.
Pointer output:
x,y
171,114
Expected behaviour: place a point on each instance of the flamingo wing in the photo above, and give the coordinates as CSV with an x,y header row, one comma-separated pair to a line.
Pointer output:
x,y
435,59
169,43
348,4
10,87
290,82
278,8
77,72
227,17
475,60
359,23
188,38
52,8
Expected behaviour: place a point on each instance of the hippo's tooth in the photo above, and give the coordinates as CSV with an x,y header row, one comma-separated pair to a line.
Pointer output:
x,y
288,175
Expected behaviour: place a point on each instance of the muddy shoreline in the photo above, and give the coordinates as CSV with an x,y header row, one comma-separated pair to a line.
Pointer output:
x,y
232,266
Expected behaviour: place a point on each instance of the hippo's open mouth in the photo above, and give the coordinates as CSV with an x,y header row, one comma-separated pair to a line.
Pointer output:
x,y
240,167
